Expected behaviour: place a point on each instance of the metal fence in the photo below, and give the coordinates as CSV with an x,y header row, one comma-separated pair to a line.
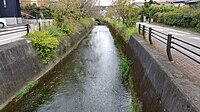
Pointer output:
x,y
29,26
171,42
14,29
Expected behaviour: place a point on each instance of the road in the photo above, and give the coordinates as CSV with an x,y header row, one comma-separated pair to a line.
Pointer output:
x,y
188,36
10,34
186,65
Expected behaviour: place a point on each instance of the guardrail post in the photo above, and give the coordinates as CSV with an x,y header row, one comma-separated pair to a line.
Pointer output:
x,y
49,23
143,31
39,26
45,25
139,27
27,28
150,31
169,41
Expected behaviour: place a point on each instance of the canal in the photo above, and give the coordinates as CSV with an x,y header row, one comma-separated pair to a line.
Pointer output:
x,y
87,80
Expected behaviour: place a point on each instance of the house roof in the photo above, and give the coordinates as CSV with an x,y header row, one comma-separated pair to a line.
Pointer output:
x,y
186,1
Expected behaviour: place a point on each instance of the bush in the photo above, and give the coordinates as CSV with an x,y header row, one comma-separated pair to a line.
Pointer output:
x,y
86,22
46,45
128,31
198,27
46,42
56,33
125,67
178,16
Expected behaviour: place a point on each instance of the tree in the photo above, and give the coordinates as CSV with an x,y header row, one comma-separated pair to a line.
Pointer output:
x,y
37,12
126,11
68,12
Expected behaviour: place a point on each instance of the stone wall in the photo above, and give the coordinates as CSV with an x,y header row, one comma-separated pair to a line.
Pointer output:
x,y
20,64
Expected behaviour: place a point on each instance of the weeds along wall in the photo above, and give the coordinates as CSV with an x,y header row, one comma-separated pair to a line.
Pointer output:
x,y
20,64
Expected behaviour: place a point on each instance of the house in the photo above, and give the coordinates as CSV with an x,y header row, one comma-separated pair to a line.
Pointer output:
x,y
193,2
185,2
10,10
39,3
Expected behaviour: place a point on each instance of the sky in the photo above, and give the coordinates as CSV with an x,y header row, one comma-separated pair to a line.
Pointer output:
x,y
105,2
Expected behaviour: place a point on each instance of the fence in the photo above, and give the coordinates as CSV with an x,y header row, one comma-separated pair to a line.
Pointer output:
x,y
28,26
171,43
14,29
39,24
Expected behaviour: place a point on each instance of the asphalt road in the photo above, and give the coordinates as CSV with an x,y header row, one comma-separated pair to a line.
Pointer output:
x,y
187,36
12,33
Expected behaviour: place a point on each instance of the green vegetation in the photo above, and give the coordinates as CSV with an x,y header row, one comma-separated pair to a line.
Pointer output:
x,y
35,11
128,31
124,11
135,103
184,16
26,90
125,68
69,18
47,41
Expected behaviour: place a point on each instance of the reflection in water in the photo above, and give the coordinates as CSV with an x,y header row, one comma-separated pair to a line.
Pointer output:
x,y
88,80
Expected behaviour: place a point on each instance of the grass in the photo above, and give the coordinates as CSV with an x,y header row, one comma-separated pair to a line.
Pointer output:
x,y
125,68
128,31
26,90
135,103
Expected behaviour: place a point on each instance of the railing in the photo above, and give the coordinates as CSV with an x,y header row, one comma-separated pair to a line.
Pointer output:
x,y
14,29
171,43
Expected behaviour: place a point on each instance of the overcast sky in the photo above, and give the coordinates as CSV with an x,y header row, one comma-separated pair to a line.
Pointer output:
x,y
105,2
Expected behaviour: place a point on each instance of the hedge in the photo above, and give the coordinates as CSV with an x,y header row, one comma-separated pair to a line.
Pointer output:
x,y
181,18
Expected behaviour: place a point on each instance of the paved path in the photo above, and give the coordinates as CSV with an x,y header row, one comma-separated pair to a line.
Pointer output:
x,y
186,65
10,34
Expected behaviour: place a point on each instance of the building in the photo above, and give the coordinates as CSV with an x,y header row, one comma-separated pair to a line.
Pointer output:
x,y
10,10
39,3
185,2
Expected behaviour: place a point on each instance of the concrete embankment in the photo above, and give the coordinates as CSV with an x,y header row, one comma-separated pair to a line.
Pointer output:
x,y
20,64
159,85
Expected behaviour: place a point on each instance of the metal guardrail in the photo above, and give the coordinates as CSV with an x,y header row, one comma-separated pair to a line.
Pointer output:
x,y
14,29
167,39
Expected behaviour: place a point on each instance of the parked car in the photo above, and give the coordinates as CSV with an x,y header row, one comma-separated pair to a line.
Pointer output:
x,y
2,22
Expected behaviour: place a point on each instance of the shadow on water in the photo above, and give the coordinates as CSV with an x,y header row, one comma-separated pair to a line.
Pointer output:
x,y
87,80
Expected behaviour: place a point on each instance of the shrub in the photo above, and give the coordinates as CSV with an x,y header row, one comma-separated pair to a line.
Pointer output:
x,y
46,45
178,16
198,27
125,67
128,31
68,29
86,22
56,33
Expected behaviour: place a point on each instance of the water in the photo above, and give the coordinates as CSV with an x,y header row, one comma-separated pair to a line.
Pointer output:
x,y
88,80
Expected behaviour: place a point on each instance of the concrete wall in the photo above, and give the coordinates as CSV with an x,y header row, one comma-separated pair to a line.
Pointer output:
x,y
20,64
13,20
159,85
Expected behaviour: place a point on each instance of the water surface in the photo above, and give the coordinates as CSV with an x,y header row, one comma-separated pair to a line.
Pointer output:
x,y
88,80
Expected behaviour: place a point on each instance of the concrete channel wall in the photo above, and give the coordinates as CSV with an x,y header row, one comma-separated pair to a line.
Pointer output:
x,y
20,64
159,85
